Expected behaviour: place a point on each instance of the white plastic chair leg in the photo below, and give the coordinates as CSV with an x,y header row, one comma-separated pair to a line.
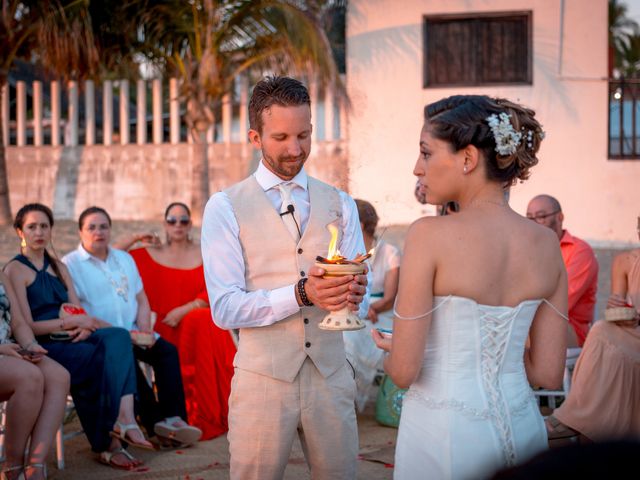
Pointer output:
x,y
60,448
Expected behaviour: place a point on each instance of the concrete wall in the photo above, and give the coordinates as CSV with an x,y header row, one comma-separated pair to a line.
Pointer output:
x,y
601,198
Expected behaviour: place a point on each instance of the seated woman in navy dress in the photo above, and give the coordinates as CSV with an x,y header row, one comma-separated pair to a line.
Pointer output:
x,y
97,356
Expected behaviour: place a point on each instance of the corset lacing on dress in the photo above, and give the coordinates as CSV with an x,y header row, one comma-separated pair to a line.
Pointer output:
x,y
495,329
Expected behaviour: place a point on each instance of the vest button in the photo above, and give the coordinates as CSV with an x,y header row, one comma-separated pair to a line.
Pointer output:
x,y
306,321
299,250
302,274
307,344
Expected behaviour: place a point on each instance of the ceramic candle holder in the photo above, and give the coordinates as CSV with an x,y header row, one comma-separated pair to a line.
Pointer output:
x,y
344,319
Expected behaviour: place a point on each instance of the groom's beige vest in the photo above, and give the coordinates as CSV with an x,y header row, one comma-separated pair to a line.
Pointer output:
x,y
272,260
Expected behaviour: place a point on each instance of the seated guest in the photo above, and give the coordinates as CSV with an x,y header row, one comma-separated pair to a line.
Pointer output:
x,y
184,319
604,401
580,262
35,389
385,267
97,356
110,288
362,352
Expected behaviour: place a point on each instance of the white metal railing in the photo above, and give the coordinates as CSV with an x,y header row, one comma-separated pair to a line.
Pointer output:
x,y
30,129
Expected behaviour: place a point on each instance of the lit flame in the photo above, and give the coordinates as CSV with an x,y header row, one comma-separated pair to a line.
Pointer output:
x,y
333,244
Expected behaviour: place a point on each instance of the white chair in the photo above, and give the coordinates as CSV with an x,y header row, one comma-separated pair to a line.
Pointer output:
x,y
61,436
570,363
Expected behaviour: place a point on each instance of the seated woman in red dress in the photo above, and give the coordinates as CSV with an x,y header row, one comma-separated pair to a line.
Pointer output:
x,y
173,279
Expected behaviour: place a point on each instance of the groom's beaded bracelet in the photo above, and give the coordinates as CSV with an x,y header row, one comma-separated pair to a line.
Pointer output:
x,y
303,295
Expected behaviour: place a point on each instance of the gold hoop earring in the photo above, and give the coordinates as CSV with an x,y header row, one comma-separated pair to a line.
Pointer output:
x,y
23,243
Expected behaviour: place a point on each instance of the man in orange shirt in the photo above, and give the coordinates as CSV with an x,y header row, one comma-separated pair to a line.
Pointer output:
x,y
580,262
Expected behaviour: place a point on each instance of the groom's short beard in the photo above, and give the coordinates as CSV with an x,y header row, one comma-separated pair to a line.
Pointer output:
x,y
281,166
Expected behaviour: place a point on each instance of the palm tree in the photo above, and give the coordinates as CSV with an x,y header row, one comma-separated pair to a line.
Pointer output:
x,y
50,34
207,44
621,30
630,64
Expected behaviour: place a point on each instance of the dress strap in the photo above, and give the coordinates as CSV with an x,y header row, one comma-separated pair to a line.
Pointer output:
x,y
556,310
25,261
400,317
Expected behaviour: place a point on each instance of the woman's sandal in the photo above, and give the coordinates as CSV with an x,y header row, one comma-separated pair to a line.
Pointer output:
x,y
106,458
16,472
556,429
121,434
37,465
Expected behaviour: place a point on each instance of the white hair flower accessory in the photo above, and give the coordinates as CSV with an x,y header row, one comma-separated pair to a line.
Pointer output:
x,y
506,137
530,134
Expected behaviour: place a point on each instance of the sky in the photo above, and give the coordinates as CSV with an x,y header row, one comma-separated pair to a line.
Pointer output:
x,y
634,9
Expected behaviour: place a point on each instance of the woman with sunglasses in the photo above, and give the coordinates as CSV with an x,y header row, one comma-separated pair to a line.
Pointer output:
x,y
97,356
174,281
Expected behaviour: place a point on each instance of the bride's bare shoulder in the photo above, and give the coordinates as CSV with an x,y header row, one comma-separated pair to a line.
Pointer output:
x,y
424,225
538,233
428,230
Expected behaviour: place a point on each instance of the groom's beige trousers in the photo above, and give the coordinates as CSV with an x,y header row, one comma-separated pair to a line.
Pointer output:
x,y
265,414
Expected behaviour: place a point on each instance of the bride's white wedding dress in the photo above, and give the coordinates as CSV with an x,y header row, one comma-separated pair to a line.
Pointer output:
x,y
471,411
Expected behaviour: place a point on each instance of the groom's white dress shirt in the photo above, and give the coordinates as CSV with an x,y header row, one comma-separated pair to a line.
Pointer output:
x,y
232,306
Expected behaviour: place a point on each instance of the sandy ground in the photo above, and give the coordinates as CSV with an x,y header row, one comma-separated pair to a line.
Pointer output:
x,y
210,460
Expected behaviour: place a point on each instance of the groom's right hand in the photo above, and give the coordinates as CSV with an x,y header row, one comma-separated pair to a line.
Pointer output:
x,y
327,293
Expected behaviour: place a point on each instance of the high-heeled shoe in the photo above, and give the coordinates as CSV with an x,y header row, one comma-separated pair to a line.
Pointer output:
x,y
37,465
16,472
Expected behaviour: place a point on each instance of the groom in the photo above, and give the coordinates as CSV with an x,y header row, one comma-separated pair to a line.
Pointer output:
x,y
260,238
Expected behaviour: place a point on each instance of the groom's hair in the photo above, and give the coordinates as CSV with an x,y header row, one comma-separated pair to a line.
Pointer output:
x,y
283,91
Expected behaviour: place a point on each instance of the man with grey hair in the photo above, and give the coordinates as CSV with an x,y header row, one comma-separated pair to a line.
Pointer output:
x,y
580,262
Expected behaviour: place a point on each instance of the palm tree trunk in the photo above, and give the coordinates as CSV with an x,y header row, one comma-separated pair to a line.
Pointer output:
x,y
200,173
5,208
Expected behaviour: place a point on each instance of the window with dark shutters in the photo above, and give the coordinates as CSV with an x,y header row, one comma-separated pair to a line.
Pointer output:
x,y
479,49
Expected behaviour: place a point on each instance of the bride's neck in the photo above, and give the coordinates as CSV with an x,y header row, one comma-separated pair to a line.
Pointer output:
x,y
490,195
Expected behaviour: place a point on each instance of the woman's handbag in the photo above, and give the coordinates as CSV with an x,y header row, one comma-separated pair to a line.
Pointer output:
x,y
389,403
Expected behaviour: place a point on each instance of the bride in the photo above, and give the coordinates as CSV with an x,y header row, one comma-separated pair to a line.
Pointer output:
x,y
482,301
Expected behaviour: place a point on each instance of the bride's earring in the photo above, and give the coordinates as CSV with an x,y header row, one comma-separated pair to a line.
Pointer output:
x,y
23,243
464,169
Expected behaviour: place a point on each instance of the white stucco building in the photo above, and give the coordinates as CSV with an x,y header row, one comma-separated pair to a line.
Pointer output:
x,y
565,72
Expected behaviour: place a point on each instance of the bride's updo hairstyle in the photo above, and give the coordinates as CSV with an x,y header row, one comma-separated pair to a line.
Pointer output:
x,y
506,133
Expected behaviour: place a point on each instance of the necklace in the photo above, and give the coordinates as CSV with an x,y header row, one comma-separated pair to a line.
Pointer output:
x,y
121,287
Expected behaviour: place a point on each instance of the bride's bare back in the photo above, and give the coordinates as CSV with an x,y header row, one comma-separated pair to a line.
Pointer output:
x,y
492,255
